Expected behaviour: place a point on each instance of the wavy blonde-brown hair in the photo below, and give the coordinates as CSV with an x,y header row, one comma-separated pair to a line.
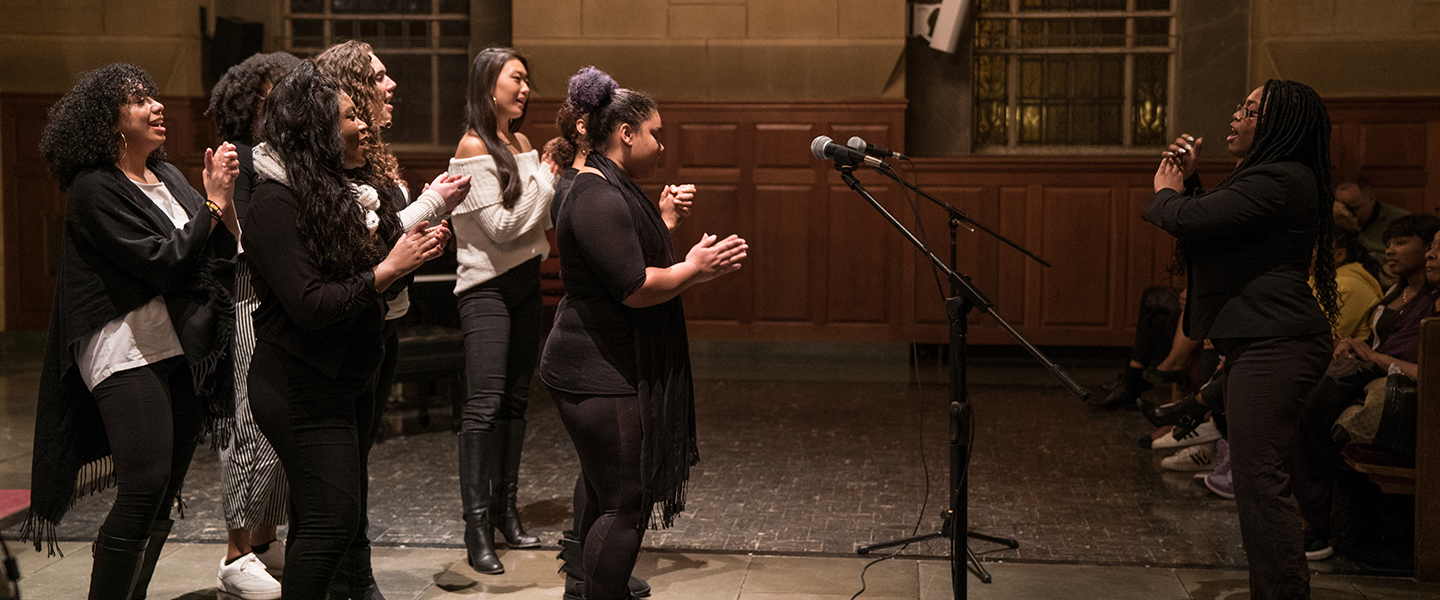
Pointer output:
x,y
348,63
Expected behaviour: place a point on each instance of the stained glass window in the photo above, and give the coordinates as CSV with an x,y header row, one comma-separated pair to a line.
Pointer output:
x,y
1072,73
425,45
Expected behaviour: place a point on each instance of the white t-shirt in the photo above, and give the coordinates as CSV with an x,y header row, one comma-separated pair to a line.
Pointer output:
x,y
144,335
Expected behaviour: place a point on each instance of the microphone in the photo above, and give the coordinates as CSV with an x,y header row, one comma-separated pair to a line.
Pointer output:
x,y
825,148
860,145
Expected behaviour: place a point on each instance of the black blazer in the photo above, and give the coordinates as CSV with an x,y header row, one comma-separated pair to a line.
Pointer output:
x,y
1248,248
318,321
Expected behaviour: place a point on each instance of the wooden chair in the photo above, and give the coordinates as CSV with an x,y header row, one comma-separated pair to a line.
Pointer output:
x,y
1427,455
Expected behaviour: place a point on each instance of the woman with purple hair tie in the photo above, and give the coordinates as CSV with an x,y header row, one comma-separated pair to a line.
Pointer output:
x,y
617,360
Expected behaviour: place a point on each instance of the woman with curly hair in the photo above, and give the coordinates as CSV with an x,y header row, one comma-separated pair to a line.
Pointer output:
x,y
319,239
254,488
1248,246
617,361
361,75
500,237
137,360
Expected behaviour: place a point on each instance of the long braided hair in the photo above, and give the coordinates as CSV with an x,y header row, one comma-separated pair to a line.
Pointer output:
x,y
1293,125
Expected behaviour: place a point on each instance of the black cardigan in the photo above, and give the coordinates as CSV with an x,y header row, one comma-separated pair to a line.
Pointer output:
x,y
1248,249
317,321
119,251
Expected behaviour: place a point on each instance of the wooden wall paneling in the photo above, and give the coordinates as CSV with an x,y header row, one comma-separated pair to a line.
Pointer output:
x,y
859,255
1432,167
724,299
34,216
1077,239
782,264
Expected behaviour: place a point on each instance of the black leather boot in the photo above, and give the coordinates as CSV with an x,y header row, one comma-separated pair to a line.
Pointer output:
x,y
116,568
505,483
159,532
355,579
1132,384
572,564
475,501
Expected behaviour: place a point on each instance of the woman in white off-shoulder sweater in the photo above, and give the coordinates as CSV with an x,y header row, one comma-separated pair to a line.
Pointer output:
x,y
500,235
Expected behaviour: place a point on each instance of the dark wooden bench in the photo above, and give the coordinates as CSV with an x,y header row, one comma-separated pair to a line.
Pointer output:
x,y
1426,476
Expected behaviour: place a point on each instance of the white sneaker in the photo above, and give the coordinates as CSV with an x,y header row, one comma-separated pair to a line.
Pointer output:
x,y
246,579
1203,434
1200,457
274,558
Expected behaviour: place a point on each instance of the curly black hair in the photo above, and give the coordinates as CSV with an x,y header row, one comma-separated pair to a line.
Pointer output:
x,y
300,122
235,102
82,132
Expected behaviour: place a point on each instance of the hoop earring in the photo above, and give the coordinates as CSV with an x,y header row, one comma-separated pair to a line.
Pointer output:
x,y
124,144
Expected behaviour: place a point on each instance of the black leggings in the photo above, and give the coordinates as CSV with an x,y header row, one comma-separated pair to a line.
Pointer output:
x,y
606,434
501,322
152,421
320,429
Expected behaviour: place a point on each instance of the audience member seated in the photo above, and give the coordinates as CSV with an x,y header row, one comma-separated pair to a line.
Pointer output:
x,y
1373,217
1355,278
1412,253
1161,352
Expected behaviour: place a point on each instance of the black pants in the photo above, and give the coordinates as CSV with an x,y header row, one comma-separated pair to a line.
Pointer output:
x,y
320,429
501,322
1155,330
1269,379
607,436
1314,466
151,419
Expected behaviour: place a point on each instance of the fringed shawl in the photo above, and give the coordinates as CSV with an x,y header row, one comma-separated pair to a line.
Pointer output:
x,y
662,360
101,280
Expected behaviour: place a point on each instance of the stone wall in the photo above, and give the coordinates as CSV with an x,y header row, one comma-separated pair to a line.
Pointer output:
x,y
1376,48
720,49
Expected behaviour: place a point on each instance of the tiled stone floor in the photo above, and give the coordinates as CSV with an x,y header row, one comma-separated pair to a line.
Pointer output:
x,y
187,572
802,456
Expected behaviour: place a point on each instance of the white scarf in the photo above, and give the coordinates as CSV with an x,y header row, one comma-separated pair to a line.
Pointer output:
x,y
268,164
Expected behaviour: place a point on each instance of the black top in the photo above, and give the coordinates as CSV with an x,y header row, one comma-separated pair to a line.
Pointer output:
x,y
1248,248
244,183
118,252
591,349
317,321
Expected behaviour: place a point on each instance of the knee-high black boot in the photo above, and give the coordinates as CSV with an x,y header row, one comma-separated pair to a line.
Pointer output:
x,y
475,449
505,483
571,563
159,532
355,580
117,565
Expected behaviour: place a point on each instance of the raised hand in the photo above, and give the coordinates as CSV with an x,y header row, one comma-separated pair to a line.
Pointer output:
x,y
1185,152
675,202
452,189
713,257
1168,176
222,166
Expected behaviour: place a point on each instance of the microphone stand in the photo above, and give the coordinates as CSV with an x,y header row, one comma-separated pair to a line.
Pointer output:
x,y
965,297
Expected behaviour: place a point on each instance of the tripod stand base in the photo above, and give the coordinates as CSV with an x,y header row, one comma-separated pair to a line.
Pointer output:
x,y
980,571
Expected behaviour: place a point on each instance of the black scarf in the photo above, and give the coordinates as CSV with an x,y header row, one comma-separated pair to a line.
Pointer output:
x,y
662,364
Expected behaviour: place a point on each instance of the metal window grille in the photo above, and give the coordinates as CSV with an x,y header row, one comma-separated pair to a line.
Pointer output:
x,y
425,45
1073,74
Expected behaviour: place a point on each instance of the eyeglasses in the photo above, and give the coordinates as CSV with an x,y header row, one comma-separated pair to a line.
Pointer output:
x,y
1245,113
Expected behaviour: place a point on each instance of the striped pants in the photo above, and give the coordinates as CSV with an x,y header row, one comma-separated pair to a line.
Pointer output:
x,y
255,489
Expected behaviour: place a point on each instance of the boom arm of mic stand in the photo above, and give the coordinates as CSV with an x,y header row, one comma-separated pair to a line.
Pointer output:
x,y
961,283
956,213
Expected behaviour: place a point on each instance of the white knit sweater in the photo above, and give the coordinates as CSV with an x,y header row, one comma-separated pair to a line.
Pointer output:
x,y
490,238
